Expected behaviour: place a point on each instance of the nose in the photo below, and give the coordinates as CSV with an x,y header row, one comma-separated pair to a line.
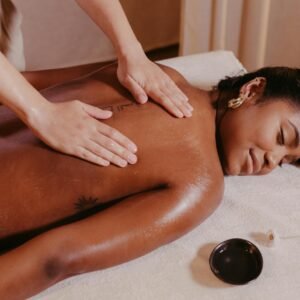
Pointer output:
x,y
273,159
279,155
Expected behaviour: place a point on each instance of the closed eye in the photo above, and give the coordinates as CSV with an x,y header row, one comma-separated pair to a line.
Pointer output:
x,y
281,140
290,160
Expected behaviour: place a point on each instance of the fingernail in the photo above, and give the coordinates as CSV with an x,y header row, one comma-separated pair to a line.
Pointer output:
x,y
188,114
190,106
132,159
143,99
185,98
180,114
123,163
132,148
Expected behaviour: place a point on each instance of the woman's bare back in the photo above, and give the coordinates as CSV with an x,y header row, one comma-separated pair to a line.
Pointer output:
x,y
40,186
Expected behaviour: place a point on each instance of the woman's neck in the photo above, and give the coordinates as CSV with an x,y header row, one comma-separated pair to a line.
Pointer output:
x,y
219,102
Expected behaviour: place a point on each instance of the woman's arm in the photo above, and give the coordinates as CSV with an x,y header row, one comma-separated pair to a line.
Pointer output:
x,y
135,71
127,230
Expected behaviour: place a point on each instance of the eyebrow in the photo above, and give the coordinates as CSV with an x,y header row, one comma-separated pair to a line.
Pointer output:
x,y
297,139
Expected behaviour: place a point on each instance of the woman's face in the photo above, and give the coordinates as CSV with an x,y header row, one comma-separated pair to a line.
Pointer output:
x,y
257,137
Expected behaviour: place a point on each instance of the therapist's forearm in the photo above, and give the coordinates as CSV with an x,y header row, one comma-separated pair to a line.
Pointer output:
x,y
17,94
110,17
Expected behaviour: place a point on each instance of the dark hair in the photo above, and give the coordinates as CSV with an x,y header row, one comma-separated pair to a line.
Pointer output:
x,y
281,82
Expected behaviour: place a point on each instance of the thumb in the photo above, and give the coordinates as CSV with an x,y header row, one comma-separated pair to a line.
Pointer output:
x,y
96,112
136,90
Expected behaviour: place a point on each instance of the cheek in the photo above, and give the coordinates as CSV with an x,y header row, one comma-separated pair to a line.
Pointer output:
x,y
243,129
236,131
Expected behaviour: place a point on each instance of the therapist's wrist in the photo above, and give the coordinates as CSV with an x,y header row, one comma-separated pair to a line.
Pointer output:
x,y
130,51
35,109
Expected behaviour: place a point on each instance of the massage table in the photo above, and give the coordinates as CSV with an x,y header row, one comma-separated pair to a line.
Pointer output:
x,y
251,206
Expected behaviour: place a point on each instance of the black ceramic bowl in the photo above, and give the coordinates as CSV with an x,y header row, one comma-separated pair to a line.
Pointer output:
x,y
236,261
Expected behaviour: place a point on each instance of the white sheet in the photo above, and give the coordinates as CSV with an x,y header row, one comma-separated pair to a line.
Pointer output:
x,y
180,270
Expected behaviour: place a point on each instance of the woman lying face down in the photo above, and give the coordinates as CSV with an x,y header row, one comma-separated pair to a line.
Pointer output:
x,y
70,217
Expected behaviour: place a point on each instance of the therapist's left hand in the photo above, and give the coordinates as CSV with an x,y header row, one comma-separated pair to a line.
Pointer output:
x,y
144,78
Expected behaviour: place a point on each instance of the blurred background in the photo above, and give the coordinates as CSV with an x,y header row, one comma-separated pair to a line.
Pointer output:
x,y
260,32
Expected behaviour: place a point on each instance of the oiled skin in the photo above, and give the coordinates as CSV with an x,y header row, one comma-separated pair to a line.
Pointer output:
x,y
178,177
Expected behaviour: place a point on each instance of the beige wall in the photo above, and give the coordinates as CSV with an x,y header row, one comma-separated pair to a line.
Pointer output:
x,y
283,40
57,33
259,32
155,22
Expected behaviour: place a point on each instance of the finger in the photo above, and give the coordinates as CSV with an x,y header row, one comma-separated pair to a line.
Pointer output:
x,y
105,154
116,149
96,112
174,93
136,90
116,136
183,106
91,157
185,109
170,89
169,105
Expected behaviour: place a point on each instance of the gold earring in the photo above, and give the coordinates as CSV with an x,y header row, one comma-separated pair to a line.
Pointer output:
x,y
236,102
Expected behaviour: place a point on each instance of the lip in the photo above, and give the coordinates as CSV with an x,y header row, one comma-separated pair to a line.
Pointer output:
x,y
255,162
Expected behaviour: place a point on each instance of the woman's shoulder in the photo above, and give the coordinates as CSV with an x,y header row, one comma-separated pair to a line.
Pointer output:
x,y
174,74
195,95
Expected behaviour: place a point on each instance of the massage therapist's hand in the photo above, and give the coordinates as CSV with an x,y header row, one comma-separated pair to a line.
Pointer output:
x,y
72,127
136,72
144,78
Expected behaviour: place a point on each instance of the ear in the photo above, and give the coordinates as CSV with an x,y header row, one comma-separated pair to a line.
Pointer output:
x,y
253,88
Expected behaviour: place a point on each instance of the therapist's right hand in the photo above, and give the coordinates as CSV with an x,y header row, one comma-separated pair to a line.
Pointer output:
x,y
74,128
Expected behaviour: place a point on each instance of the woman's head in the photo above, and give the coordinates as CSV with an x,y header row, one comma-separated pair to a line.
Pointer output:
x,y
263,131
